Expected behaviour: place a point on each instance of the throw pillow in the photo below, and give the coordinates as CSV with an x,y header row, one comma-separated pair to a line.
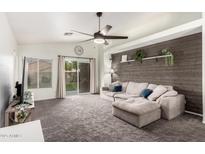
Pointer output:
x,y
157,92
152,86
111,86
124,86
167,94
168,87
135,88
117,88
145,93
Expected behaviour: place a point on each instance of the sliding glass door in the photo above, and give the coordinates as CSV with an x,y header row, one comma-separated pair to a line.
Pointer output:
x,y
77,76
71,77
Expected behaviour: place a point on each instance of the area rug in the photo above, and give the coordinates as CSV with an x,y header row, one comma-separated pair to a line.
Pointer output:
x,y
88,118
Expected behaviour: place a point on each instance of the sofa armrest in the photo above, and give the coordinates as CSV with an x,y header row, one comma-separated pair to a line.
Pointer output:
x,y
172,106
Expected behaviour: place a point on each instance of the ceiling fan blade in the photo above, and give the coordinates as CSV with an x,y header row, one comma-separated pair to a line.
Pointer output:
x,y
106,42
82,33
105,30
115,37
86,40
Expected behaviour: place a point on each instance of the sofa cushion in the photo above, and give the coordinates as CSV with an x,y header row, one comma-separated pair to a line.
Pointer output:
x,y
170,93
138,106
145,93
135,88
137,120
157,92
124,86
109,93
152,86
124,96
168,87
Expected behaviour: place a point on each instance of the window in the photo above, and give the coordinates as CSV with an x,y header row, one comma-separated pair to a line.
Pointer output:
x,y
45,73
71,75
39,73
32,73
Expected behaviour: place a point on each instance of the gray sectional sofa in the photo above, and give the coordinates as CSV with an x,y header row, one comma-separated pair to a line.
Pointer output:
x,y
128,105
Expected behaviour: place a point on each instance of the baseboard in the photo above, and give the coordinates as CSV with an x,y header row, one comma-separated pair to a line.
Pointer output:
x,y
46,99
197,114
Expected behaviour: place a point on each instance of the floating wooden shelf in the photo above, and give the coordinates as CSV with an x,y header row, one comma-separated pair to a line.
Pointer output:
x,y
127,61
148,58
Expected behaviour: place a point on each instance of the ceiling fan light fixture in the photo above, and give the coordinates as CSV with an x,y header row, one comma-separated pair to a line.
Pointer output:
x,y
99,40
101,37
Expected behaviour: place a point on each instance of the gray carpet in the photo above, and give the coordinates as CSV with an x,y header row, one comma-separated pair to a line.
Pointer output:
x,y
89,118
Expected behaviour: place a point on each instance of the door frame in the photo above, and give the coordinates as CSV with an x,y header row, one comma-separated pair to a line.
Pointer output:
x,y
78,60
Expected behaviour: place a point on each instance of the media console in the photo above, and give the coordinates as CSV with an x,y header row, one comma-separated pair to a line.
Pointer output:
x,y
13,109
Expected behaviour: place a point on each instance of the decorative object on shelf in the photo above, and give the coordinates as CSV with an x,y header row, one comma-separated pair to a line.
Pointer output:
x,y
139,55
27,95
148,58
79,50
21,114
169,60
124,58
112,71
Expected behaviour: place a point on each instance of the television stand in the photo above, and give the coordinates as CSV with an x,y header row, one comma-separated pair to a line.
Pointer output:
x,y
18,103
10,113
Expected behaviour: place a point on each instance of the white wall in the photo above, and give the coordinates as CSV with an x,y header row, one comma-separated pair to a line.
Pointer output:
x,y
7,63
51,51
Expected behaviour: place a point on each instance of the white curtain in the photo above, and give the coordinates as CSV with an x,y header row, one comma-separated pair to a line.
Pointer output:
x,y
93,88
61,78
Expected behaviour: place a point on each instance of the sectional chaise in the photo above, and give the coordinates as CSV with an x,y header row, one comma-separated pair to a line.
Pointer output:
x,y
130,105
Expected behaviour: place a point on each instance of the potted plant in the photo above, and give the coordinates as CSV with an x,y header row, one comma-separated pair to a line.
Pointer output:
x,y
168,60
20,114
139,55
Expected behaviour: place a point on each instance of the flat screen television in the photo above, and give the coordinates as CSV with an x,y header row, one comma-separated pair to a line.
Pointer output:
x,y
20,87
22,83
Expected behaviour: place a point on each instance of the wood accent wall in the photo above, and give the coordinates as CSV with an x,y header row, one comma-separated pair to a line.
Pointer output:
x,y
185,75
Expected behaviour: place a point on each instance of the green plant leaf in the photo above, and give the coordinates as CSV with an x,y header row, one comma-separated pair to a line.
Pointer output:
x,y
139,55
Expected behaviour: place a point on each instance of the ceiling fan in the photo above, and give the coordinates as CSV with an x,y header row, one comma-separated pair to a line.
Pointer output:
x,y
101,36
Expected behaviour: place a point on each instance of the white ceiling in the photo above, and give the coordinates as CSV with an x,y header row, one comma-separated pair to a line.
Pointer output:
x,y
32,28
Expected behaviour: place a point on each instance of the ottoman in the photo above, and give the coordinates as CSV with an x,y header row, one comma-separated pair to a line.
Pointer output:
x,y
139,112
